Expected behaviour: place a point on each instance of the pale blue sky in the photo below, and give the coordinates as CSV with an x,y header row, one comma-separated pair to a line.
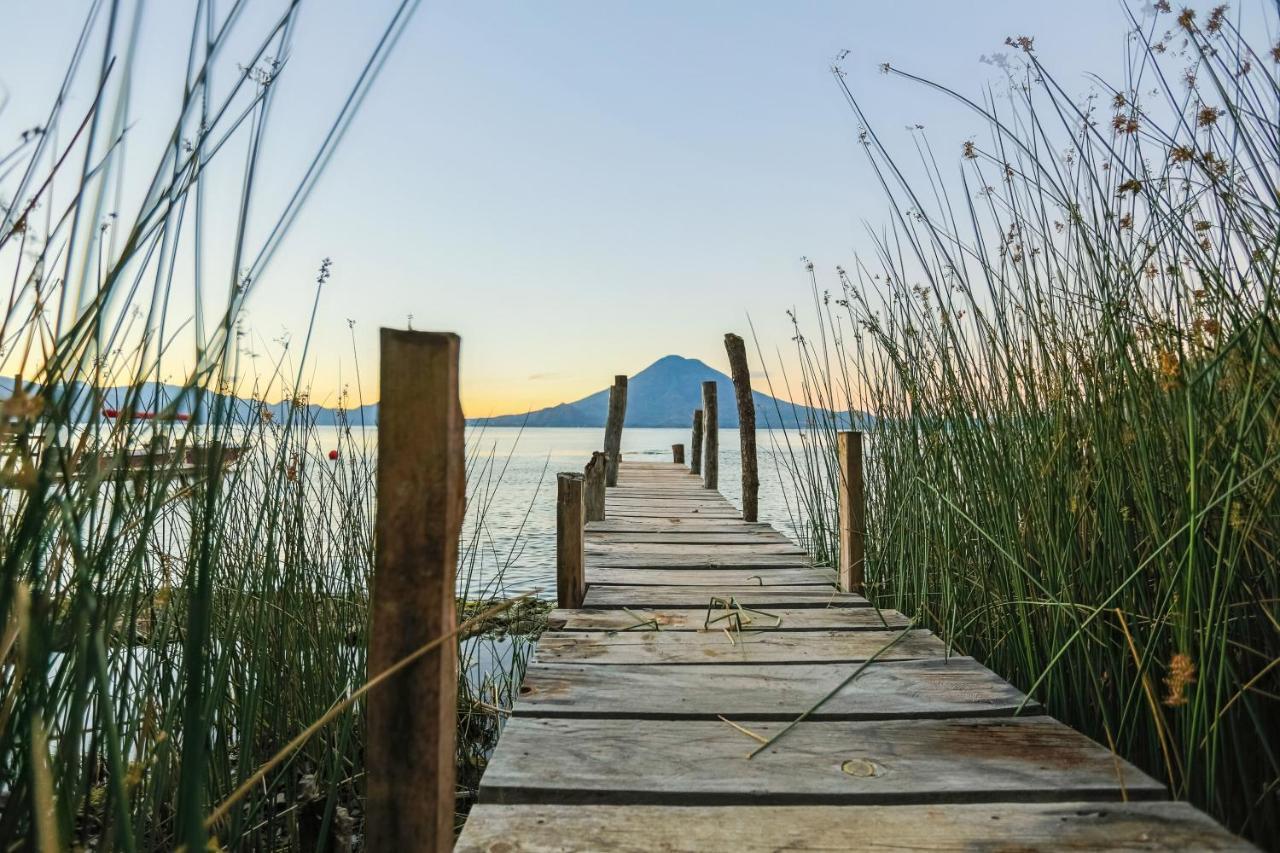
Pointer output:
x,y
579,188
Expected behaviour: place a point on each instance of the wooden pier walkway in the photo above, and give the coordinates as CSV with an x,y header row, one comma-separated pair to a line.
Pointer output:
x,y
701,634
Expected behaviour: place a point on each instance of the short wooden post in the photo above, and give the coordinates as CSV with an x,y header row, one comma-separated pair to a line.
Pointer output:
x,y
412,717
677,454
710,437
737,350
570,558
695,445
613,427
593,486
853,512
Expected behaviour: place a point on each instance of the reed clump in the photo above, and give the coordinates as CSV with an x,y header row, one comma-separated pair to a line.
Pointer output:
x,y
184,568
1070,353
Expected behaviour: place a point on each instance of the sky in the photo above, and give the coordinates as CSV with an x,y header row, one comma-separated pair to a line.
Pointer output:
x,y
576,188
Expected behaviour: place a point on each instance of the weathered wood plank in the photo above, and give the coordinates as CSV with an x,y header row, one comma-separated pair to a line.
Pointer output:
x,y
957,687
652,508
613,525
596,537
669,514
713,560
609,596
759,576
1021,827
750,647
793,619
680,549
877,762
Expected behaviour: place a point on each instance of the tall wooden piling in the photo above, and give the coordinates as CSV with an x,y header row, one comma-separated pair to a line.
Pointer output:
x,y
613,427
570,541
711,437
412,717
741,373
677,454
695,444
593,486
853,512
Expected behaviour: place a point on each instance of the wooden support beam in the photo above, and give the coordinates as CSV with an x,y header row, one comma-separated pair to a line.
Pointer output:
x,y
677,454
594,478
412,717
711,437
737,350
613,427
695,445
570,554
853,512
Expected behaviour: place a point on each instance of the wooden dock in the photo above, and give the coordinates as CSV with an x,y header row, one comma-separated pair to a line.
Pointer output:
x,y
701,635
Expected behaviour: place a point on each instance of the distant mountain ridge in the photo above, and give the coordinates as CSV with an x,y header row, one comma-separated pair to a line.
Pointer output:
x,y
665,394
163,397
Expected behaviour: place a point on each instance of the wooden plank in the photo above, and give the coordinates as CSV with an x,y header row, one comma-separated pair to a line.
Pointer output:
x,y
668,514
758,546
760,577
412,717
664,501
751,647
662,537
613,525
703,561
875,762
1021,827
608,596
958,687
675,501
793,619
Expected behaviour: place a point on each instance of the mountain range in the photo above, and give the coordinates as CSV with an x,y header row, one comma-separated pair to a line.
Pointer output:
x,y
664,394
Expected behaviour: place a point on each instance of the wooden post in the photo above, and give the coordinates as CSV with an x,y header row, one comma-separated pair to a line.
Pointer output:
x,y
695,446
710,437
412,717
853,511
677,454
570,558
737,350
593,488
613,427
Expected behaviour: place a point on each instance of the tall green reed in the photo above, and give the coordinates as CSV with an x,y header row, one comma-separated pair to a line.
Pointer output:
x,y
165,628
1070,353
